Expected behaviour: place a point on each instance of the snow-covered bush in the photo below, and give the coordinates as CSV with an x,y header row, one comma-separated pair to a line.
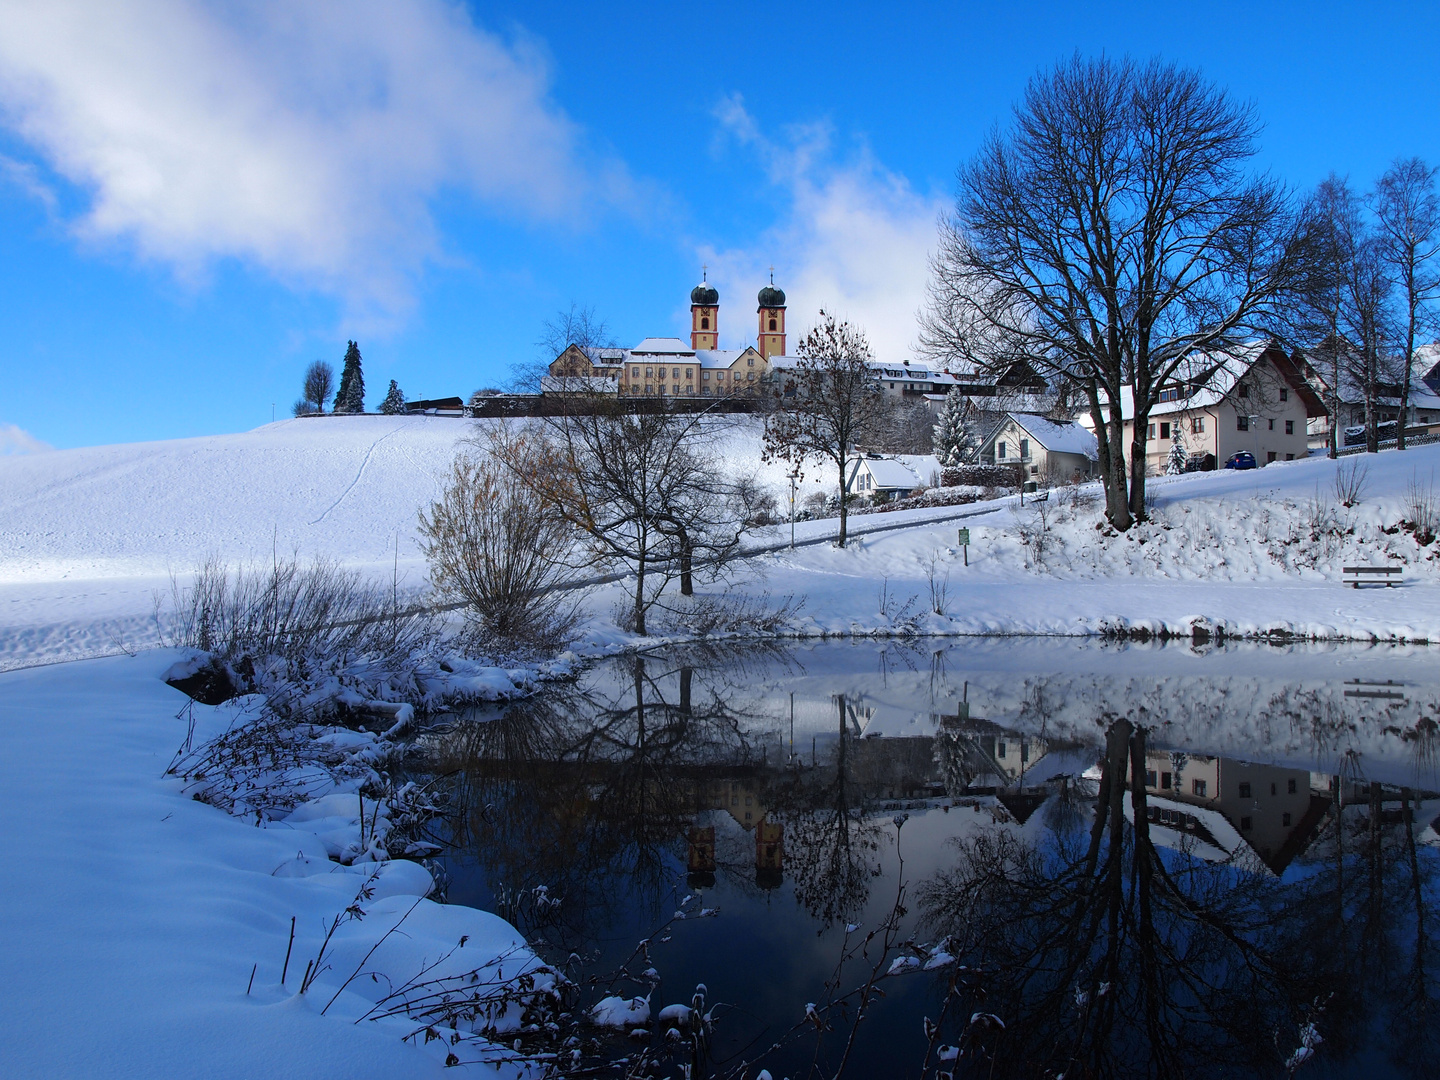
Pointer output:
x,y
495,546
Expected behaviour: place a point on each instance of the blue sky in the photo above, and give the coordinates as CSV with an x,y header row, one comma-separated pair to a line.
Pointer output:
x,y
197,200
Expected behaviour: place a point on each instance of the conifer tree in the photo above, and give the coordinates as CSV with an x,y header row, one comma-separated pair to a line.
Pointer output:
x,y
955,442
1176,464
394,400
350,398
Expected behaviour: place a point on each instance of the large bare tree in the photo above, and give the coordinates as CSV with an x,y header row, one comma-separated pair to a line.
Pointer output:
x,y
1111,232
646,490
1408,216
827,402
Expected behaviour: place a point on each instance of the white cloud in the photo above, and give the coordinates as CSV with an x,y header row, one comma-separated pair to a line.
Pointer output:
x,y
16,440
305,138
854,239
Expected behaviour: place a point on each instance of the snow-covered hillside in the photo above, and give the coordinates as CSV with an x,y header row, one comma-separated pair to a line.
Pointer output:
x,y
90,537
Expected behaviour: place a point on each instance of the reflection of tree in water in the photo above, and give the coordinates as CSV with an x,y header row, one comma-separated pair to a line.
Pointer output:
x,y
1106,956
832,849
579,787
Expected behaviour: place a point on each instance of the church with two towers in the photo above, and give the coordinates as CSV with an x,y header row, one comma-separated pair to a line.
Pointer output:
x,y
667,367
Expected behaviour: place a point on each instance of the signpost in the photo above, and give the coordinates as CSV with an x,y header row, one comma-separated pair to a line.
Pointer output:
x,y
965,544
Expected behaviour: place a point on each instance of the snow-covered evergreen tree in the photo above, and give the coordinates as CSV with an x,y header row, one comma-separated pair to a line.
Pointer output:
x,y
1176,464
956,440
394,400
350,398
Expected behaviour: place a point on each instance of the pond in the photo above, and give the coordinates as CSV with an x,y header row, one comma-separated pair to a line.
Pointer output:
x,y
992,857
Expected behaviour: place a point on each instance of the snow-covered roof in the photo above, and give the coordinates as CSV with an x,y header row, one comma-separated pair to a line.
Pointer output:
x,y
890,473
606,357
663,346
1058,438
1213,375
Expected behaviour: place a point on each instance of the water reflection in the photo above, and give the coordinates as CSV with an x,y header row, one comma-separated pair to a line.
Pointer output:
x,y
1142,863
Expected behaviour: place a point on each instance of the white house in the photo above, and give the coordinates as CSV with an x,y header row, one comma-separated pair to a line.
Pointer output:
x,y
1218,404
1045,449
894,476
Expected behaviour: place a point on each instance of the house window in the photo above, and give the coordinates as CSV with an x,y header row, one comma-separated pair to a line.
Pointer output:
x,y
689,388
1272,425
750,362
649,389
1165,781
1289,457
1000,749
675,373
1242,423
1285,820
1243,390
1284,394
750,377
705,375
704,391
689,373
1246,824
1197,426
634,372
1164,430
676,390
1000,450
1149,777
1024,449
772,324
1245,791
1289,427
1150,431
1271,456
720,375
1197,787
1292,786
649,372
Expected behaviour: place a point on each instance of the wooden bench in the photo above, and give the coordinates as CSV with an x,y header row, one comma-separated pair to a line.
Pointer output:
x,y
1378,575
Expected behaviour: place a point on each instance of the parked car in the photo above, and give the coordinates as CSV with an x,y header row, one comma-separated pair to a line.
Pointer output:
x,y
1243,460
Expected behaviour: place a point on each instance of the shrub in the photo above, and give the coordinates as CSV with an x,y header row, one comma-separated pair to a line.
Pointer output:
x,y
982,476
495,546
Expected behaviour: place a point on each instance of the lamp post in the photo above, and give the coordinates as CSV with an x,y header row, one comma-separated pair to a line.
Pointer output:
x,y
794,476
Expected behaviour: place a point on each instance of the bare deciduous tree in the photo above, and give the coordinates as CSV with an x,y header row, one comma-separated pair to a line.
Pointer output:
x,y
1408,216
1112,231
645,490
496,546
579,326
827,402
319,381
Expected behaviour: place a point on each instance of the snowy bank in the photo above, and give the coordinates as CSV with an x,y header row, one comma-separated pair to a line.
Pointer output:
x,y
147,932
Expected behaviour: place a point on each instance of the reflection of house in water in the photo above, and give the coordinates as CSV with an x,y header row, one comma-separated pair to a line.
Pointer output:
x,y
979,756
1220,808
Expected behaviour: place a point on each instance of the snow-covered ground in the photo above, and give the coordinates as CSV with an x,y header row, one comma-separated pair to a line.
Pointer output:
x,y
90,538
134,915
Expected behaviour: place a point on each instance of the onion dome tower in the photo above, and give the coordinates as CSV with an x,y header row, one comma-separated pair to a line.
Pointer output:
x,y
772,319
704,314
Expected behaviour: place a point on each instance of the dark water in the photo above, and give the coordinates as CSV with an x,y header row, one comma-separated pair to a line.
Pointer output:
x,y
838,807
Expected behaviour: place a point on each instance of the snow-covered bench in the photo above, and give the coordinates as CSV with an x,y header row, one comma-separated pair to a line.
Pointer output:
x,y
1355,576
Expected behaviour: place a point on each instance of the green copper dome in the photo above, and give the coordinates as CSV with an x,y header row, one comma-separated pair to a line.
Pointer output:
x,y
770,296
704,295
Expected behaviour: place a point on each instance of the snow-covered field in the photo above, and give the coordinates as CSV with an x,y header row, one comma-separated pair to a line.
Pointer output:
x,y
90,538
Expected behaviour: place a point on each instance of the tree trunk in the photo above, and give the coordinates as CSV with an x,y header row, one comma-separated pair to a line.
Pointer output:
x,y
640,598
687,558
1117,503
1137,467
841,541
